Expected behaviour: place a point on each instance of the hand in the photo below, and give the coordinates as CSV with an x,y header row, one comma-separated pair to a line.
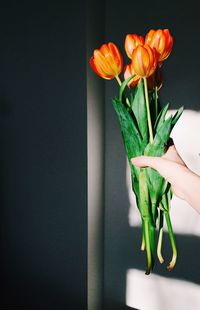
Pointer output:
x,y
185,183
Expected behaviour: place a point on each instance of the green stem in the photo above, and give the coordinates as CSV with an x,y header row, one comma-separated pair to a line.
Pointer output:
x,y
154,212
152,242
144,210
143,238
160,238
172,241
118,80
148,110
147,246
156,102
120,84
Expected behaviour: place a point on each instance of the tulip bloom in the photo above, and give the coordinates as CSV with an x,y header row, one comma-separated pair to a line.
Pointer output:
x,y
162,41
131,42
107,61
128,72
152,81
144,60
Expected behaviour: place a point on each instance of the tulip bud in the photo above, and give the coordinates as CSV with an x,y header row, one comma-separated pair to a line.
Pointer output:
x,y
131,42
128,72
107,61
162,41
144,60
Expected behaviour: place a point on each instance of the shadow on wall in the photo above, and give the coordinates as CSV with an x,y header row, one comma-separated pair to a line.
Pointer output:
x,y
124,262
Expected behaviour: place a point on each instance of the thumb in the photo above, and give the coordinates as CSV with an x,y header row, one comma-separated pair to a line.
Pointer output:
x,y
147,161
167,168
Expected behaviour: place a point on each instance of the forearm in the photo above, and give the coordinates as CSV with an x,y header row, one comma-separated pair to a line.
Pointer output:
x,y
191,190
186,185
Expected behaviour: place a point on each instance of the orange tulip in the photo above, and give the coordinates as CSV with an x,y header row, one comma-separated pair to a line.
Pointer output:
x,y
128,72
131,42
107,61
152,81
144,60
162,41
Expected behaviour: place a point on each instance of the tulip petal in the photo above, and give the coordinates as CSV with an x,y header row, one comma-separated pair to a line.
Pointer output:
x,y
102,65
144,60
162,41
107,61
93,66
131,42
128,72
117,57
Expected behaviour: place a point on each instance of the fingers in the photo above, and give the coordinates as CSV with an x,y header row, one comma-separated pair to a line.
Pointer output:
x,y
170,170
157,163
147,161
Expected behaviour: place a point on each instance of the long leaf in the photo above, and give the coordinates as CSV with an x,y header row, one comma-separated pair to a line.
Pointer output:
x,y
177,115
123,86
161,117
138,106
131,137
156,183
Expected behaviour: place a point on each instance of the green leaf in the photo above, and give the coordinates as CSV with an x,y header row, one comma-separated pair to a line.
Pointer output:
x,y
163,133
166,198
144,195
123,86
158,147
138,106
131,137
156,183
161,117
135,182
177,115
132,140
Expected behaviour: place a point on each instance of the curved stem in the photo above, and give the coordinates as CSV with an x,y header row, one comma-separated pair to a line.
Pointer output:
x,y
172,241
156,102
143,239
160,238
118,80
148,110
120,84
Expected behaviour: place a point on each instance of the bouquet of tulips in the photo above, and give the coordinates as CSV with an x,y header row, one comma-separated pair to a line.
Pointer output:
x,y
145,128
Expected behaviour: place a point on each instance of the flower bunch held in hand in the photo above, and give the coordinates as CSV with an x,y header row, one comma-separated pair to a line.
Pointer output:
x,y
144,127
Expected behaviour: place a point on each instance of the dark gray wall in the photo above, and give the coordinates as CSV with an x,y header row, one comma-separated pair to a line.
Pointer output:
x,y
181,87
43,163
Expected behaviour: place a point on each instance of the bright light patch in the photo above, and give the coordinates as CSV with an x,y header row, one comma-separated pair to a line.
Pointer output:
x,y
155,292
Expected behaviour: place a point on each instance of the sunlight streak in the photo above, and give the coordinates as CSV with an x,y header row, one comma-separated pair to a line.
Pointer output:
x,y
155,292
